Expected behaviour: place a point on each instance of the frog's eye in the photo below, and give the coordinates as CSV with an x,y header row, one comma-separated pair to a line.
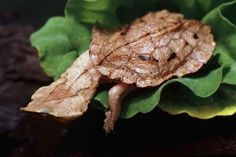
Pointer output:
x,y
195,36
144,57
171,57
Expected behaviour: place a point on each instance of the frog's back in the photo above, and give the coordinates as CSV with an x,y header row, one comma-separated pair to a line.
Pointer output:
x,y
152,49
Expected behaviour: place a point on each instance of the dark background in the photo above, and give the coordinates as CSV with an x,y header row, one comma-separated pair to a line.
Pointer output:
x,y
23,134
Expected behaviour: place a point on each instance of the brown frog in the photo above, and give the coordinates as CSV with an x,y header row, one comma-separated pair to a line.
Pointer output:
x,y
142,54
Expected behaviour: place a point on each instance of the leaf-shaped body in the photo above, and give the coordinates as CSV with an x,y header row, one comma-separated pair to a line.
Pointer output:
x,y
68,97
152,49
146,52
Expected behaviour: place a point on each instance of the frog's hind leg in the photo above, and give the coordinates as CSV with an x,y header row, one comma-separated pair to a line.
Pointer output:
x,y
116,94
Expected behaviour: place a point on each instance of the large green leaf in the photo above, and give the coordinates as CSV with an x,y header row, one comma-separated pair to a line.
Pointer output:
x,y
59,43
131,9
197,8
92,11
145,100
62,39
222,20
222,103
109,13
230,74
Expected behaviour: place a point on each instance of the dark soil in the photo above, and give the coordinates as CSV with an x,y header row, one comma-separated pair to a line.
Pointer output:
x,y
153,134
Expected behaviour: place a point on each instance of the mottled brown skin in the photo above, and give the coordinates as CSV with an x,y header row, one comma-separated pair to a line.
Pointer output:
x,y
68,97
145,53
149,51
152,49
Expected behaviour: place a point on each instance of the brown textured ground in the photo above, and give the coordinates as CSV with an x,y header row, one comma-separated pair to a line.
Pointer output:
x,y
153,134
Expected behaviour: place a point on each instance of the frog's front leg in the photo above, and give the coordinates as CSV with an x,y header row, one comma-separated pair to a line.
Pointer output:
x,y
116,94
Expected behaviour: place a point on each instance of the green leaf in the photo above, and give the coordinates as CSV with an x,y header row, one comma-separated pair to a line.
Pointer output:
x,y
110,13
222,20
102,97
55,66
230,74
203,86
59,42
62,39
222,103
131,9
145,100
92,11
197,8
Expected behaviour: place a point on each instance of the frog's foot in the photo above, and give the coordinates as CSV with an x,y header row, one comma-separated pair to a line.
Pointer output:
x,y
116,94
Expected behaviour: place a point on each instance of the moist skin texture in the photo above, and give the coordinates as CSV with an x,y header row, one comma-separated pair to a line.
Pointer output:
x,y
145,53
